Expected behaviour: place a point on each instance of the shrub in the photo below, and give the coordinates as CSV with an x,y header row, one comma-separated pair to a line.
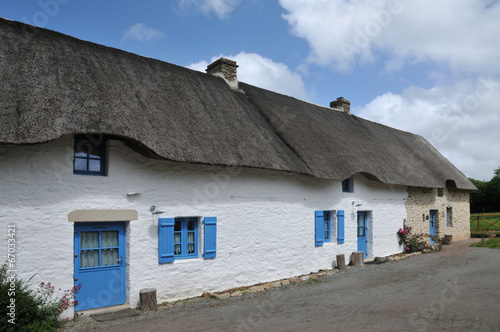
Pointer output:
x,y
411,243
416,242
438,242
485,233
30,310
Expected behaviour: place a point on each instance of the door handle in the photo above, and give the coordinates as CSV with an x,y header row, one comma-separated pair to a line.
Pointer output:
x,y
119,260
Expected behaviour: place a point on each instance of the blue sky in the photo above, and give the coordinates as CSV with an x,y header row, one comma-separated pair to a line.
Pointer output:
x,y
430,67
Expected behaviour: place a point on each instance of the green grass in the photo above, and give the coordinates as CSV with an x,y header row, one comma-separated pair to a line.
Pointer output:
x,y
483,224
493,243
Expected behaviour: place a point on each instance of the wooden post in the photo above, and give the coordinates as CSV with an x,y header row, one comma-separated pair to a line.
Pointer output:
x,y
447,239
341,262
148,299
358,258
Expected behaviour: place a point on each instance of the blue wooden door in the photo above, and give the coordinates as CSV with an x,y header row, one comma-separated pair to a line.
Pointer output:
x,y
99,265
362,232
432,221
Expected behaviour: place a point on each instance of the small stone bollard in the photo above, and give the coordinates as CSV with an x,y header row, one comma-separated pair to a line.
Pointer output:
x,y
341,262
148,299
447,239
358,258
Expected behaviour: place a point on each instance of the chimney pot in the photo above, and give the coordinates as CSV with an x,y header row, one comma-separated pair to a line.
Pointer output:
x,y
226,69
342,105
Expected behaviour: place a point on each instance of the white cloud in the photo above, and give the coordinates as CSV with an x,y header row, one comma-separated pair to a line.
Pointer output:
x,y
263,72
458,36
222,8
461,121
461,34
142,33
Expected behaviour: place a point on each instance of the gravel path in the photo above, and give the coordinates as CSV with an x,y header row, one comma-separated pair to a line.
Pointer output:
x,y
457,289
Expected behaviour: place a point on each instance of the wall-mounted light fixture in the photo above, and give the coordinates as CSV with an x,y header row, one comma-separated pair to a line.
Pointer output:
x,y
154,210
356,204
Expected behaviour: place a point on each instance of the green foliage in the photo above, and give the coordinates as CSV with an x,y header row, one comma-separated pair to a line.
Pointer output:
x,y
30,310
493,243
485,234
487,197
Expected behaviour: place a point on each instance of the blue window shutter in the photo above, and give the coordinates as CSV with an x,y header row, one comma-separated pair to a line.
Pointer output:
x,y
340,222
320,228
210,241
166,240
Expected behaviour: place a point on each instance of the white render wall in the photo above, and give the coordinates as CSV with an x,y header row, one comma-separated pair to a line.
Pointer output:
x,y
265,219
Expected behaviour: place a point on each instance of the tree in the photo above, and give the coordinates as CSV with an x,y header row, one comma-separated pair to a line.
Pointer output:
x,y
477,197
487,197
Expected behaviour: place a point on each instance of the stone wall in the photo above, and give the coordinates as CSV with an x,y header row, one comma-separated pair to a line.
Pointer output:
x,y
422,200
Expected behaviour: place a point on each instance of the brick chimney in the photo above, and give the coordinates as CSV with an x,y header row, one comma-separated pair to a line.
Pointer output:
x,y
226,69
341,104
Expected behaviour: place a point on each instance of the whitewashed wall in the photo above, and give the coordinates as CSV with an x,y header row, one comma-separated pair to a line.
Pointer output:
x,y
265,226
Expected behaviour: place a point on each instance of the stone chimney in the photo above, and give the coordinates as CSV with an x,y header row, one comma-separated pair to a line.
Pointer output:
x,y
226,69
341,104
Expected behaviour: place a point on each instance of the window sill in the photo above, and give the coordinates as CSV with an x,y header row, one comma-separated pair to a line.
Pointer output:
x,y
185,260
91,174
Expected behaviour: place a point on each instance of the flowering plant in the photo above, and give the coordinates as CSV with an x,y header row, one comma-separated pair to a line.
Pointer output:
x,y
411,242
66,301
28,308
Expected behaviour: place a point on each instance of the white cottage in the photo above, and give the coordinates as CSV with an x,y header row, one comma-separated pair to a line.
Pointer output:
x,y
120,172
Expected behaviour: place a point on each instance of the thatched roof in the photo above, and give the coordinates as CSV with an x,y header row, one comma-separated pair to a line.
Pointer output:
x,y
55,85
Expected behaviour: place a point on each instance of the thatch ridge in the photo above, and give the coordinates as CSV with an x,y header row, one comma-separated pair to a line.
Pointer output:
x,y
56,85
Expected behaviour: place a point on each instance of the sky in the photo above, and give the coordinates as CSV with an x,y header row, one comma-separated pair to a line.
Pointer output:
x,y
430,67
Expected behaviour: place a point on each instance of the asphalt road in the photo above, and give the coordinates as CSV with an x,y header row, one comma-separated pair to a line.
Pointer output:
x,y
457,289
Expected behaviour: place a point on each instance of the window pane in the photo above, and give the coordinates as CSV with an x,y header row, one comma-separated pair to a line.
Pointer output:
x,y
89,258
94,165
327,235
95,152
185,241
178,225
80,154
82,149
109,257
80,164
345,185
177,238
109,239
89,240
